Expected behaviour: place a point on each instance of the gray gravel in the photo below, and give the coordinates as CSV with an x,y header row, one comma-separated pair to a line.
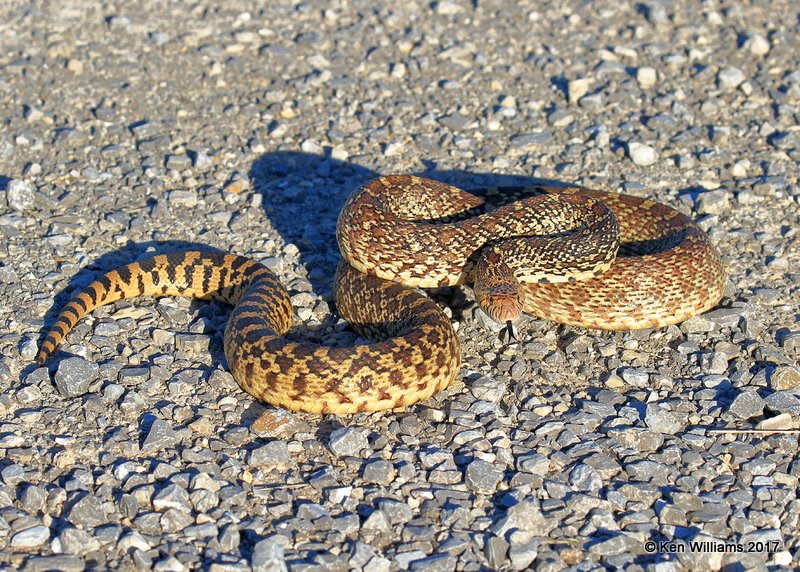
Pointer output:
x,y
139,127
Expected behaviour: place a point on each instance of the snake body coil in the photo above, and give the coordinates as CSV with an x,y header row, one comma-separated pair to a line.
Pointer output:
x,y
557,250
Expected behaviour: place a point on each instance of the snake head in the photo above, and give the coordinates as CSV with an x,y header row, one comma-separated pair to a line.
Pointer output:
x,y
497,290
502,306
500,300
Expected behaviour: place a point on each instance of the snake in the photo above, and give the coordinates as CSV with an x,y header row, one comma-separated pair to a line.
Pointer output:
x,y
564,253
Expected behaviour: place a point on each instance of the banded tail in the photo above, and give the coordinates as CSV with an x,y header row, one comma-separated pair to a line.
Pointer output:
x,y
192,273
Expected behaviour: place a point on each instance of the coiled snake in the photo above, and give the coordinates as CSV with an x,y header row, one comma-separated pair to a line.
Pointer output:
x,y
555,254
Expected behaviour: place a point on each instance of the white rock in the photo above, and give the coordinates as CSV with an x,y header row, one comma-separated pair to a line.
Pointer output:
x,y
757,44
646,76
309,146
641,154
20,195
339,153
729,78
739,169
576,89
393,149
448,8
133,540
30,537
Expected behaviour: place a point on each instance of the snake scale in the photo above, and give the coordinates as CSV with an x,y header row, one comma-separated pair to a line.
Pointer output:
x,y
567,254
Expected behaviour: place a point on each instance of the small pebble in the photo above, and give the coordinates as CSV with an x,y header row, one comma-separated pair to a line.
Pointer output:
x,y
642,154
713,202
348,442
159,436
576,89
85,511
528,140
20,195
730,78
31,537
172,497
757,44
488,389
274,454
380,472
646,76
785,377
482,477
662,420
747,404
74,376
268,556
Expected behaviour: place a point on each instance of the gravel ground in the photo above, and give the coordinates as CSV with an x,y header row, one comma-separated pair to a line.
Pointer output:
x,y
152,126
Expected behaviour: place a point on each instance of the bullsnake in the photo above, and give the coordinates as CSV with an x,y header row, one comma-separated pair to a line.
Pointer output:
x,y
568,254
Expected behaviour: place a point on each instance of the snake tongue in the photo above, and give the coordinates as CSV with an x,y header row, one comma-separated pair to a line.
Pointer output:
x,y
510,329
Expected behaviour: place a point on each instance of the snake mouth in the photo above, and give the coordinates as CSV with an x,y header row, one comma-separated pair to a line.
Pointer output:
x,y
503,309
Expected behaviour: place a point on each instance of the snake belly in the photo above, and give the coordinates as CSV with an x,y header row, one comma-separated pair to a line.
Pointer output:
x,y
399,231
